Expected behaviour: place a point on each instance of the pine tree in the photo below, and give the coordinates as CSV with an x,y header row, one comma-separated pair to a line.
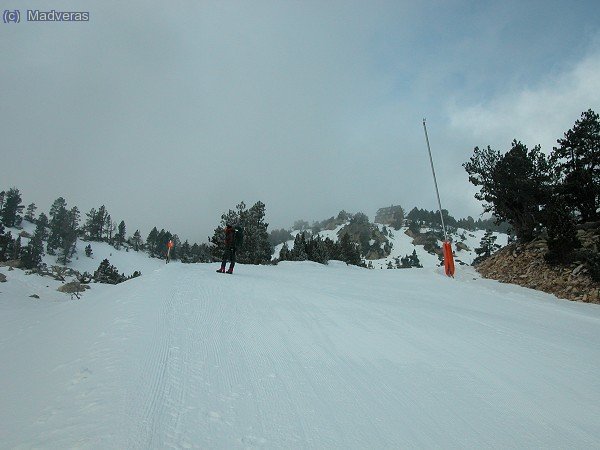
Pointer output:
x,y
184,252
398,220
277,237
16,249
196,254
343,216
298,253
151,243
97,224
32,254
91,225
58,220
88,250
176,250
109,229
11,208
68,235
311,248
333,249
107,273
11,244
42,223
562,232
487,246
120,236
284,253
256,248
162,238
136,240
30,213
414,226
314,247
414,259
413,215
64,227
513,186
6,243
577,163
349,250
202,253
320,253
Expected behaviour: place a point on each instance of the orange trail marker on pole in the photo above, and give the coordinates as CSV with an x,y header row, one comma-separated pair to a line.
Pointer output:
x,y
169,247
448,257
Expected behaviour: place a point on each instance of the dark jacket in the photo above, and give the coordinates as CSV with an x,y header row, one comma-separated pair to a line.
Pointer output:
x,y
229,237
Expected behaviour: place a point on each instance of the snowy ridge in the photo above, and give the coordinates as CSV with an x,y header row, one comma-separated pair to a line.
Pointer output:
x,y
125,261
298,355
402,245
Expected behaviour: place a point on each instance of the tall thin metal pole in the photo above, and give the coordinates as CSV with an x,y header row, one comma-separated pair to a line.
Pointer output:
x,y
435,180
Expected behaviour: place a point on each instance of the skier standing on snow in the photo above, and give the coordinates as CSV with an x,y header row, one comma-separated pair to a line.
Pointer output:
x,y
229,254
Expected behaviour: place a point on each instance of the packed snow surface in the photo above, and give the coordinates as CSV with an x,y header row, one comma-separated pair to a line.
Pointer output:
x,y
297,355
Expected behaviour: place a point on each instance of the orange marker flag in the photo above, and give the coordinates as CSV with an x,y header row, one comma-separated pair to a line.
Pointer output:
x,y
448,259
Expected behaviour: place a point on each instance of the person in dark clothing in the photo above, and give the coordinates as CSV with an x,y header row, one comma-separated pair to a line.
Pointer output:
x,y
229,254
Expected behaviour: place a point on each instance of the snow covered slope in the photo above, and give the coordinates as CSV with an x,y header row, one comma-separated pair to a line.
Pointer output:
x,y
402,245
125,261
297,355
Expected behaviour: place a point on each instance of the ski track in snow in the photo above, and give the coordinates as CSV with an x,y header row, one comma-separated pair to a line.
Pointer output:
x,y
301,356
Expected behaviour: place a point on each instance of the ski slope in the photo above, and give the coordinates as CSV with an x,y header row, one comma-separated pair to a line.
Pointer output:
x,y
297,355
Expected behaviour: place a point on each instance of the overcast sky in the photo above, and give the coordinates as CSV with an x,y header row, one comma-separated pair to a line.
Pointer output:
x,y
170,113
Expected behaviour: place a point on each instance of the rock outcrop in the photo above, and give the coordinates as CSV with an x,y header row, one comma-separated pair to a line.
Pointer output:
x,y
524,264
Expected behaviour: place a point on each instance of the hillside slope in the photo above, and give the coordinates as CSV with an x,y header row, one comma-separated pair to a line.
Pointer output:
x,y
297,355
403,245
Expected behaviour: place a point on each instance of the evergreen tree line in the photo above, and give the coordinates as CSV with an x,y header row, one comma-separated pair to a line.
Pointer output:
x,y
10,216
405,262
545,195
362,232
422,217
57,234
308,247
352,247
415,219
282,235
